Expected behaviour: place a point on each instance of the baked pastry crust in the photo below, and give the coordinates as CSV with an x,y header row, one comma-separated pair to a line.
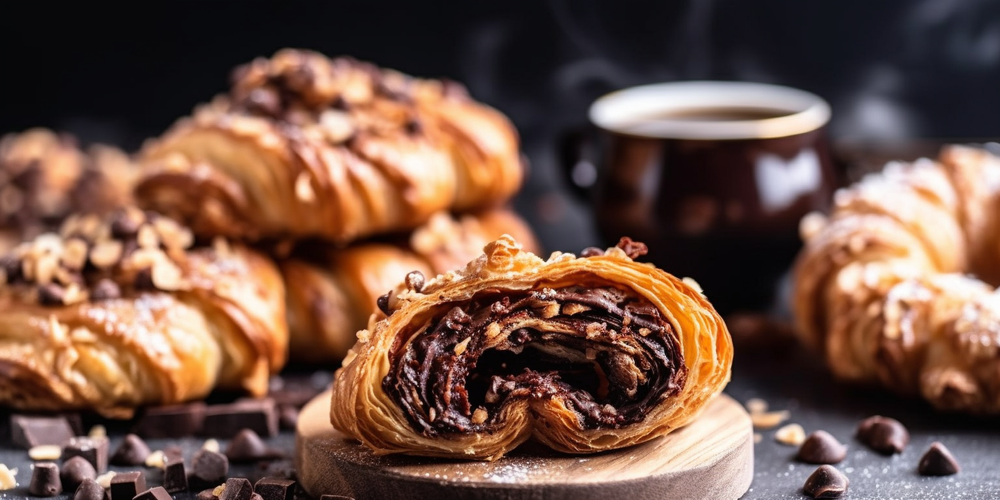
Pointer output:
x,y
881,285
330,297
120,312
305,146
375,399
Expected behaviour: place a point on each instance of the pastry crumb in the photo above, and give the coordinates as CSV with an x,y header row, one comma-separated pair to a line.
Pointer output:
x,y
791,434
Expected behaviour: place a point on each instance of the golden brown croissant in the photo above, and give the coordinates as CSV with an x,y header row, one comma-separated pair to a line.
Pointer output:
x,y
119,312
305,146
881,286
583,354
331,298
45,176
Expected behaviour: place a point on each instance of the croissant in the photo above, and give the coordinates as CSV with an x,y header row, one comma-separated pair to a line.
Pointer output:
x,y
882,288
331,297
304,146
122,311
582,354
44,177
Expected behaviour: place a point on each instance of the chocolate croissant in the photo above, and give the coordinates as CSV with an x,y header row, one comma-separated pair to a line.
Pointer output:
x,y
582,354
45,176
122,311
330,297
304,146
883,285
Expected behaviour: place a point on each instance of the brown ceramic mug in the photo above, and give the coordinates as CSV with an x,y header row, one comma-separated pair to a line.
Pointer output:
x,y
714,177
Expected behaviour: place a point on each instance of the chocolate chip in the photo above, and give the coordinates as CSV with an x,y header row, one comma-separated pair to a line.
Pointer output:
x,y
937,461
208,494
264,100
144,279
415,281
30,431
383,303
413,126
258,415
45,480
75,470
94,450
237,488
89,490
126,485
51,294
157,493
208,468
884,435
132,451
273,488
172,421
105,289
247,446
174,474
288,417
591,252
826,482
821,448
125,224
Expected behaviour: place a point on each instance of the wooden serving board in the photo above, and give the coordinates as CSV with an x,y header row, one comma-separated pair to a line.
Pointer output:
x,y
711,458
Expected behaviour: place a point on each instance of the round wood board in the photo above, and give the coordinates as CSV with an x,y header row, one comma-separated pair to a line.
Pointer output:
x,y
711,458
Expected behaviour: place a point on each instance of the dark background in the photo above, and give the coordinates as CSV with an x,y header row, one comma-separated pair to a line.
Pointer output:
x,y
891,69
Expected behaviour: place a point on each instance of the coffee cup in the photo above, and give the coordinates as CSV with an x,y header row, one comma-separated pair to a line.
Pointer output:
x,y
713,176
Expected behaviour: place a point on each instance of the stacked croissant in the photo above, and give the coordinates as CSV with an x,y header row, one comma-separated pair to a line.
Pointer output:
x,y
896,284
266,223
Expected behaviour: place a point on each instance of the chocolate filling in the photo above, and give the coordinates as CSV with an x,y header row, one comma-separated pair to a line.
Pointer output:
x,y
608,355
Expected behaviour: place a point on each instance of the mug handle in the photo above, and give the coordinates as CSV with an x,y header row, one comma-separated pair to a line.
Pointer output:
x,y
577,154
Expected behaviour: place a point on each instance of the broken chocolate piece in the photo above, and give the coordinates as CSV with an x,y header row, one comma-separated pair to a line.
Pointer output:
x,y
225,421
174,474
937,461
171,421
94,450
207,494
273,488
45,480
826,482
132,451
89,490
237,488
208,469
157,493
821,448
29,431
288,417
247,446
75,470
884,435
126,485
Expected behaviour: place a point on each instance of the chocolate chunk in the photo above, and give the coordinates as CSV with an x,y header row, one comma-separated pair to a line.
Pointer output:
x,y
105,289
237,488
591,252
51,294
288,417
174,474
937,461
156,493
126,485
94,450
125,225
45,480
144,279
383,303
415,281
822,448
634,249
826,482
30,431
258,415
132,451
247,446
208,468
89,490
172,421
75,470
273,488
884,435
207,494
